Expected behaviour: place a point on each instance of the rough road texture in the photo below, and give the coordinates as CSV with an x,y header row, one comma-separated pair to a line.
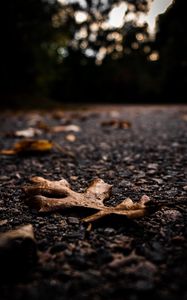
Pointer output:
x,y
117,258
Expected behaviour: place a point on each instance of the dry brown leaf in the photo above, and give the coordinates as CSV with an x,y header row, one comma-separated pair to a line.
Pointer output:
x,y
47,196
29,145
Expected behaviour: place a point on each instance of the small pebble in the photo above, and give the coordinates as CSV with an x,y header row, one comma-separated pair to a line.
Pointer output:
x,y
152,166
73,220
4,178
171,215
71,138
3,222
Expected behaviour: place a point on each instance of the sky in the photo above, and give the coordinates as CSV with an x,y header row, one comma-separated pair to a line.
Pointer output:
x,y
117,16
157,7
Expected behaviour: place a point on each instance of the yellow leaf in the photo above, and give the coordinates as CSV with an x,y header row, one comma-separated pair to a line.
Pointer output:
x,y
33,145
29,146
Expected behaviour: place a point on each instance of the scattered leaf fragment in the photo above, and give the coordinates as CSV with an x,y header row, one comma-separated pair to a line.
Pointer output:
x,y
29,145
17,249
117,124
28,133
61,128
124,124
47,196
8,152
41,125
23,232
59,114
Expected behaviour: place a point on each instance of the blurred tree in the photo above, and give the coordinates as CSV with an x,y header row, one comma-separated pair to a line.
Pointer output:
x,y
25,40
99,28
99,59
92,50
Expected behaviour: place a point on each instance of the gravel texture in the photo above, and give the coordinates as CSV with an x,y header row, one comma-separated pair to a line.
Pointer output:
x,y
115,258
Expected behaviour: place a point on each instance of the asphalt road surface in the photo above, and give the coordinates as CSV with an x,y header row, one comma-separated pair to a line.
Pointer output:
x,y
139,150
